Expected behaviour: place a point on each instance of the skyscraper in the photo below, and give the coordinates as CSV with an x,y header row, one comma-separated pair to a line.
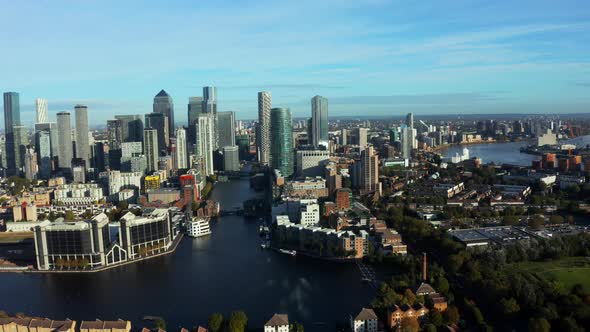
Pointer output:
x,y
131,127
319,121
64,138
263,138
369,170
11,119
181,149
163,104
210,107
21,140
204,142
195,107
158,122
408,136
281,126
231,158
43,146
82,144
41,110
51,128
150,148
226,122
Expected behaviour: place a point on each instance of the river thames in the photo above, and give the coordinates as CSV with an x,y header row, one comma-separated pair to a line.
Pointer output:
x,y
498,153
223,272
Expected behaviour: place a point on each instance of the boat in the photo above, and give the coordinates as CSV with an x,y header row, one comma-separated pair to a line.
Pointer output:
x,y
198,227
263,246
288,252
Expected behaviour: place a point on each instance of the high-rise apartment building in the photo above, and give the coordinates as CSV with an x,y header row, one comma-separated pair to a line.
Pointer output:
x,y
195,107
181,149
210,107
82,144
281,125
204,141
226,122
231,158
369,170
163,104
11,119
263,129
319,121
150,148
408,136
64,138
158,122
41,110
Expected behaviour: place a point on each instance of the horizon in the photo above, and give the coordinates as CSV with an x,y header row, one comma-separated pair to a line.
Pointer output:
x,y
377,57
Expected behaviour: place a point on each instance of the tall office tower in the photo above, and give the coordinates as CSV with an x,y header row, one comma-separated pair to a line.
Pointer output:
x,y
131,127
226,126
231,158
361,136
21,140
114,134
11,119
99,159
163,104
43,146
263,138
243,143
410,120
394,135
369,170
181,149
64,140
150,148
158,122
195,107
319,121
41,110
343,136
281,126
204,141
82,144
51,128
210,107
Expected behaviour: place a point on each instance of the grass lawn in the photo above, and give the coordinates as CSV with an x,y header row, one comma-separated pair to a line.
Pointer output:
x,y
566,272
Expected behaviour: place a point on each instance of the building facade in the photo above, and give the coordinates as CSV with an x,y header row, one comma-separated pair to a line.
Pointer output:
x,y
281,124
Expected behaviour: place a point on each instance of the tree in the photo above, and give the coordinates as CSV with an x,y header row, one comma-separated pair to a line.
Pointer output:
x,y
215,322
510,220
539,325
238,321
409,297
509,306
451,315
537,222
69,216
160,323
429,328
556,219
410,325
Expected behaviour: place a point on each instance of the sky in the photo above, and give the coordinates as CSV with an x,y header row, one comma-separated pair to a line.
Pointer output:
x,y
368,57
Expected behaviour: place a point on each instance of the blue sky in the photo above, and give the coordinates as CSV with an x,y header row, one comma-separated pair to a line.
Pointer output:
x,y
373,57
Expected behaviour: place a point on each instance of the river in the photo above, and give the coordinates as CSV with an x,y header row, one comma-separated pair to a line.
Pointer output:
x,y
223,272
499,153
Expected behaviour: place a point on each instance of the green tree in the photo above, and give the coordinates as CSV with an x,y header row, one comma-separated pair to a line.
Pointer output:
x,y
451,315
537,222
410,324
556,219
539,325
238,321
510,220
215,322
160,323
69,216
429,328
509,306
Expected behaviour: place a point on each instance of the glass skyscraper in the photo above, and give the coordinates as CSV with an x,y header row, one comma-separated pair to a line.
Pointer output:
x,y
226,122
319,121
163,104
281,127
11,119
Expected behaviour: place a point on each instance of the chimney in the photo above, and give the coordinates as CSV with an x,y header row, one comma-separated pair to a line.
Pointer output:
x,y
424,267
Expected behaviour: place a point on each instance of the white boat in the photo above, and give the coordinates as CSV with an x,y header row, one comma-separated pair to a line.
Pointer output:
x,y
198,226
288,252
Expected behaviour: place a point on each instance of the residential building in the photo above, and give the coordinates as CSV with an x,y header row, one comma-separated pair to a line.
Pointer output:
x,y
16,324
181,149
24,212
365,321
309,162
82,132
195,107
151,182
366,171
277,323
281,127
205,141
123,180
105,326
65,145
263,142
41,110
226,125
150,148
396,314
231,158
307,188
210,107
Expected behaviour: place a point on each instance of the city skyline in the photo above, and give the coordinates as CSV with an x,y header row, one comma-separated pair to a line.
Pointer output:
x,y
377,57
